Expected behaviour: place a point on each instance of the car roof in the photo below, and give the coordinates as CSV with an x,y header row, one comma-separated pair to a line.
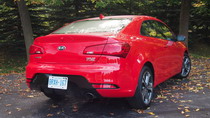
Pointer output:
x,y
122,16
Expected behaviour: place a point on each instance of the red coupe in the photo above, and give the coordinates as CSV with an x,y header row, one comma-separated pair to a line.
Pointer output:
x,y
112,56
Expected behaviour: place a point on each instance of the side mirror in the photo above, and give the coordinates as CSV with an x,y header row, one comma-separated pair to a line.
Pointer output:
x,y
181,38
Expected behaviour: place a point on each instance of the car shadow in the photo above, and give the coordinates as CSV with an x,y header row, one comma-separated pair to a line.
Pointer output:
x,y
72,107
103,107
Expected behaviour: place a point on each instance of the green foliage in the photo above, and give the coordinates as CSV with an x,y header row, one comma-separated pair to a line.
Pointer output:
x,y
10,28
39,14
199,23
48,15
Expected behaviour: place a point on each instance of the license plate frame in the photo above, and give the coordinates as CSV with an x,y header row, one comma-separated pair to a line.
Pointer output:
x,y
58,82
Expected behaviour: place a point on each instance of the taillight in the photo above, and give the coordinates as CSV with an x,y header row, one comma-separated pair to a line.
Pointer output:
x,y
94,50
111,49
34,49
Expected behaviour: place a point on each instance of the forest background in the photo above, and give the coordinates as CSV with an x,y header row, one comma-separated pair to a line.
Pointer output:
x,y
49,15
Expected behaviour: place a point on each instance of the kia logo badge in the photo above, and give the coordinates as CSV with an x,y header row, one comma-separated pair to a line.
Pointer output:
x,y
61,48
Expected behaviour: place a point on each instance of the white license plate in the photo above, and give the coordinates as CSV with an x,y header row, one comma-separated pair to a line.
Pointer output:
x,y
58,82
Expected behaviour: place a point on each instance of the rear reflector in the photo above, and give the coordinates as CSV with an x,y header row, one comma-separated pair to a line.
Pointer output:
x,y
111,49
34,49
104,86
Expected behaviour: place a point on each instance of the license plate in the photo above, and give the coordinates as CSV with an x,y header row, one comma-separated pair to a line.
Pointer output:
x,y
58,82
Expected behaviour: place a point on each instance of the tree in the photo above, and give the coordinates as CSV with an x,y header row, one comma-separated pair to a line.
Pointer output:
x,y
184,19
26,21
26,24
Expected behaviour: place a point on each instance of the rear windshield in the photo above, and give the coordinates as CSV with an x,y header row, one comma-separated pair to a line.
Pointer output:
x,y
93,26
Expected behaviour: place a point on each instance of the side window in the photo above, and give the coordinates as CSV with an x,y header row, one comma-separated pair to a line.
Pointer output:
x,y
156,29
163,31
147,30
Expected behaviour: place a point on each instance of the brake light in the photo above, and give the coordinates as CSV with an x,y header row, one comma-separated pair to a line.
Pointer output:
x,y
34,49
111,49
94,50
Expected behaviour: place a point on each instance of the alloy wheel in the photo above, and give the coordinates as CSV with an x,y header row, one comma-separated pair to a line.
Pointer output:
x,y
186,66
147,87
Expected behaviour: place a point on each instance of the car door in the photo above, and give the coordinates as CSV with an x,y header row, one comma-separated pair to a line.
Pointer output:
x,y
174,53
159,54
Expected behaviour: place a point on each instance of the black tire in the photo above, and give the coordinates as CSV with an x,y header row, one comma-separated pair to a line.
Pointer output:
x,y
186,67
56,95
144,90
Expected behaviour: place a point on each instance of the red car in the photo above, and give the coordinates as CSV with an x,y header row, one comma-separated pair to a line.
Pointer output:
x,y
113,56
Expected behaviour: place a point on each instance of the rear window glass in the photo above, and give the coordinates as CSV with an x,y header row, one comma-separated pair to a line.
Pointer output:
x,y
93,26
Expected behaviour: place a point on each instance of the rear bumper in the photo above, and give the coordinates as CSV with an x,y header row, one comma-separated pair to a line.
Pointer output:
x,y
84,76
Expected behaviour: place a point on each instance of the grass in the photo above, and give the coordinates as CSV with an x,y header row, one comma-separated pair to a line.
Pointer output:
x,y
12,60
13,65
200,50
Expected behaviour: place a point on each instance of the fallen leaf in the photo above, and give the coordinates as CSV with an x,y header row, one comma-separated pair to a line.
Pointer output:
x,y
139,111
49,115
161,97
200,88
7,105
182,112
27,90
19,109
186,110
184,101
9,112
187,115
151,113
30,96
179,108
54,106
197,110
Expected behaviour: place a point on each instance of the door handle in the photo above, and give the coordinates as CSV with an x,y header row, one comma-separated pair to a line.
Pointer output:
x,y
169,43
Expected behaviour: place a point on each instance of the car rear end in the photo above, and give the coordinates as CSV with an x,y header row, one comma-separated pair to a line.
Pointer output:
x,y
94,61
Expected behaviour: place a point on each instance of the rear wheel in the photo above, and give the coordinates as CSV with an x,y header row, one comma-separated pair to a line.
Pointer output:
x,y
186,67
144,91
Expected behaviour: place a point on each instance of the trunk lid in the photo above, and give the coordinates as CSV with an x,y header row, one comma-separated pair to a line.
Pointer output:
x,y
67,49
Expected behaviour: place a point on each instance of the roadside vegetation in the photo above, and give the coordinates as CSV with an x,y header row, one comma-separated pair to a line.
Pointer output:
x,y
46,18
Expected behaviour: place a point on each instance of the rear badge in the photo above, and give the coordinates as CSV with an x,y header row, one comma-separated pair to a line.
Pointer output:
x,y
90,58
61,48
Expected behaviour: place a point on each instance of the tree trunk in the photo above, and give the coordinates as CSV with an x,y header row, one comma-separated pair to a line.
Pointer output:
x,y
26,24
184,19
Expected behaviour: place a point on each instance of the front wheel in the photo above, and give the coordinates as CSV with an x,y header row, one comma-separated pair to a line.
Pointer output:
x,y
186,67
144,91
